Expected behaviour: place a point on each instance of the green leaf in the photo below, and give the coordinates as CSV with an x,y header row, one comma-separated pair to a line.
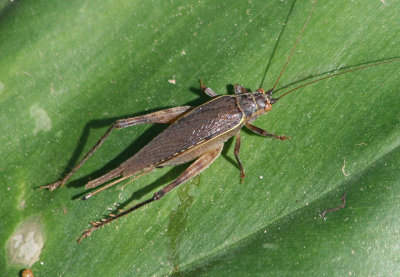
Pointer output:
x,y
68,69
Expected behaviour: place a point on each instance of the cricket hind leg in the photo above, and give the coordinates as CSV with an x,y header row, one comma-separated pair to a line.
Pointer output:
x,y
194,169
163,116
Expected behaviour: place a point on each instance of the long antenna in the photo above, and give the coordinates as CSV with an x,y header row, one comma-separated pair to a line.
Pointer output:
x,y
276,44
340,73
295,45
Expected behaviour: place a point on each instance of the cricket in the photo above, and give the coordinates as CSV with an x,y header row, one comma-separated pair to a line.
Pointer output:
x,y
195,134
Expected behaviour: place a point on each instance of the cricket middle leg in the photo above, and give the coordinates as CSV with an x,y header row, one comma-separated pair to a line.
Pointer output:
x,y
237,149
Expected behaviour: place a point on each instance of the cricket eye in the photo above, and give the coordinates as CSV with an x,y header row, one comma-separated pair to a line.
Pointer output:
x,y
267,107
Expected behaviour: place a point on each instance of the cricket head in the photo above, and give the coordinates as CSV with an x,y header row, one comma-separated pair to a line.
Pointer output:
x,y
268,98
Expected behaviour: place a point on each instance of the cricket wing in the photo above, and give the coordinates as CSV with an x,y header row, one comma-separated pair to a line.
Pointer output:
x,y
105,178
214,118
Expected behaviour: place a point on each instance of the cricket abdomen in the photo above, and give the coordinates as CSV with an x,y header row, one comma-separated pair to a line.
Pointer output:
x,y
191,135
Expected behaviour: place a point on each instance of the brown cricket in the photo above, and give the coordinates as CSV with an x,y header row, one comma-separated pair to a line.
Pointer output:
x,y
195,133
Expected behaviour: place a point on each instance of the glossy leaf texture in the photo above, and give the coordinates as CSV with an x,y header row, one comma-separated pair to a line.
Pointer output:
x,y
68,69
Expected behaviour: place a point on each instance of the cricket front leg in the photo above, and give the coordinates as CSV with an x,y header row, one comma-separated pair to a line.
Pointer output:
x,y
163,116
194,169
264,133
239,89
